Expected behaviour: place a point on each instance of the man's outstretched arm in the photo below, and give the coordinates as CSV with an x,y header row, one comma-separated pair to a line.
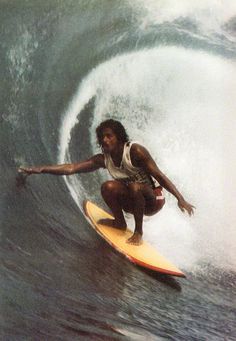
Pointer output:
x,y
90,165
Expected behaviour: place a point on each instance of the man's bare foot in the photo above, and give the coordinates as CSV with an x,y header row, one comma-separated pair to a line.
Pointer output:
x,y
135,239
113,223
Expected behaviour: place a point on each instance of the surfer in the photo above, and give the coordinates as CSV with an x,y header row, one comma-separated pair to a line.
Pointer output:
x,y
137,182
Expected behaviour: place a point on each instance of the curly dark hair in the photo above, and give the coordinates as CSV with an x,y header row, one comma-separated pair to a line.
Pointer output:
x,y
117,128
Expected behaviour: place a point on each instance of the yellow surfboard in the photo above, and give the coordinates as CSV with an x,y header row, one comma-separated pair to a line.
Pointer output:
x,y
143,255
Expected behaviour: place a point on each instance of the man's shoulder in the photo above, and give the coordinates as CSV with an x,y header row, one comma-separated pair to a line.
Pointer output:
x,y
137,148
138,153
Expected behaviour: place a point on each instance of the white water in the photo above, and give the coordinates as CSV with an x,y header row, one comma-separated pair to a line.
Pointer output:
x,y
210,16
180,104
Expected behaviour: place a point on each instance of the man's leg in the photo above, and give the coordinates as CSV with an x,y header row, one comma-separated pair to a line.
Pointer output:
x,y
137,199
114,194
138,202
143,200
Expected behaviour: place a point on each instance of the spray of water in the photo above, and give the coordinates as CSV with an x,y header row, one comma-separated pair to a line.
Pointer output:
x,y
210,16
180,104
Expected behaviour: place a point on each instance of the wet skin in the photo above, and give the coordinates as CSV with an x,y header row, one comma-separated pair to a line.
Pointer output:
x,y
134,198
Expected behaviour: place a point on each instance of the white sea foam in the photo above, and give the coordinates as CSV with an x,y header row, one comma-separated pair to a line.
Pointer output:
x,y
211,16
180,104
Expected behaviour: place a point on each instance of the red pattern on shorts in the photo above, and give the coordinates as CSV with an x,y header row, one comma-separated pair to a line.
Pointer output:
x,y
160,197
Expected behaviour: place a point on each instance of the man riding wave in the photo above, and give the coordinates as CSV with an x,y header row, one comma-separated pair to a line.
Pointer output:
x,y
137,182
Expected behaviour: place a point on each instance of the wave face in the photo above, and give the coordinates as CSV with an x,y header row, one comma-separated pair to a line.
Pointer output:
x,y
183,126
168,73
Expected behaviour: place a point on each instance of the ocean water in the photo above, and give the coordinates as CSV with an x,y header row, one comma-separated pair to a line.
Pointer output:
x,y
167,71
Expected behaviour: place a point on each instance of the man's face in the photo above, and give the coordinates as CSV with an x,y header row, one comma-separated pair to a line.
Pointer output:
x,y
109,140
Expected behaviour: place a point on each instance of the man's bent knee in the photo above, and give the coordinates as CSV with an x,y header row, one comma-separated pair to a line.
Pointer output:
x,y
107,186
111,187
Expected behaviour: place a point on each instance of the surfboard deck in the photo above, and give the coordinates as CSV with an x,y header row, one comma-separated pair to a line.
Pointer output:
x,y
144,255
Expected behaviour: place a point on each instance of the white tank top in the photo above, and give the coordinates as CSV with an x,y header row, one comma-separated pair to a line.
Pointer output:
x,y
126,171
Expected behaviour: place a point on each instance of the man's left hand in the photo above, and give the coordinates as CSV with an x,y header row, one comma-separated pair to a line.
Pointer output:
x,y
184,205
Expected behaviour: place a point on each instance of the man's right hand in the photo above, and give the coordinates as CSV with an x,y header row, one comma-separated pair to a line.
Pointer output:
x,y
29,171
